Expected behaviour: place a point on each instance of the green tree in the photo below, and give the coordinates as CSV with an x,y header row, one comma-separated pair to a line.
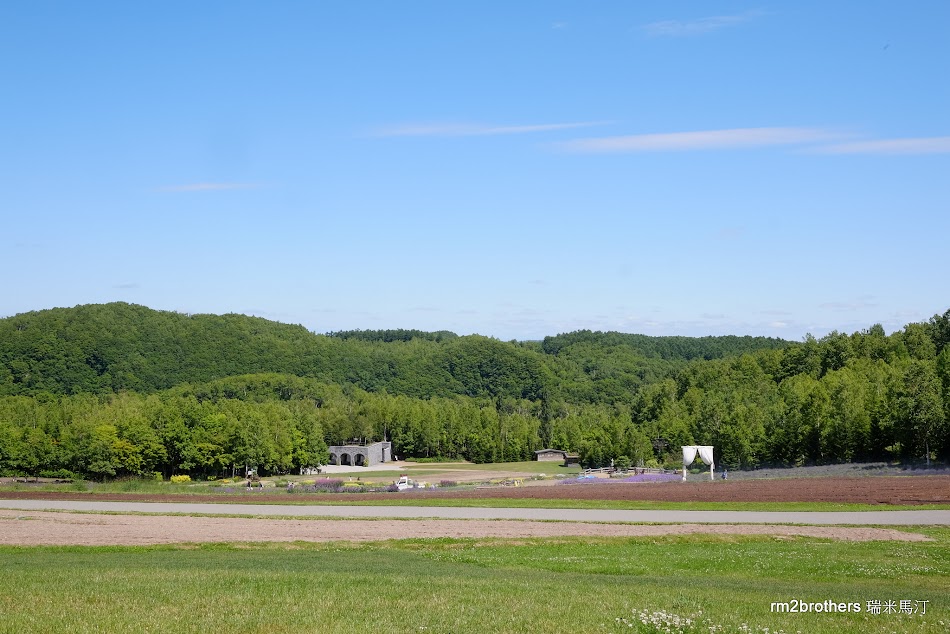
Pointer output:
x,y
918,409
36,451
847,434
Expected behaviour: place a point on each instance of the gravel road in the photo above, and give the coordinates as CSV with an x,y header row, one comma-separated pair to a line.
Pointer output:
x,y
864,518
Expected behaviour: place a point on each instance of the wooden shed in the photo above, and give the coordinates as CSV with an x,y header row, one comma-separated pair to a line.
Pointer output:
x,y
550,455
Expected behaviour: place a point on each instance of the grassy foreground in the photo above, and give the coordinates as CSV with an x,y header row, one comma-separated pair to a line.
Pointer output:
x,y
529,586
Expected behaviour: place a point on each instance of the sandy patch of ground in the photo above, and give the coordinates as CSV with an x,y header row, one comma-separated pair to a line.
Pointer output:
x,y
336,469
34,528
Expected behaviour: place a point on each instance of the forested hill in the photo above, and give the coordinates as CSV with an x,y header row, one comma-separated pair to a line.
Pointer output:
x,y
116,389
123,347
668,348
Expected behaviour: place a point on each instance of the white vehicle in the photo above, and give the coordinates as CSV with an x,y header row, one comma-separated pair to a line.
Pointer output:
x,y
405,483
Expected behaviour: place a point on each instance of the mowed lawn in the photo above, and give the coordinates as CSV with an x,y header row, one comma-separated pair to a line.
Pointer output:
x,y
464,586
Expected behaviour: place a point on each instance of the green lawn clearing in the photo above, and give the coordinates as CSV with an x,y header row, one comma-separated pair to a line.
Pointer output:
x,y
493,586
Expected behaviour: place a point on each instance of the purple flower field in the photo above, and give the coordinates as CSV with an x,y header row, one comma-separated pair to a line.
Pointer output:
x,y
643,477
653,477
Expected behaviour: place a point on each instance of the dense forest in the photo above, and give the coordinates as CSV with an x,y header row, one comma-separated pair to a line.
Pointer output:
x,y
118,389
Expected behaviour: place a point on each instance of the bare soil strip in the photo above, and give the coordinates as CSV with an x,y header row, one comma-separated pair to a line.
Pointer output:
x,y
904,490
49,528
35,528
884,490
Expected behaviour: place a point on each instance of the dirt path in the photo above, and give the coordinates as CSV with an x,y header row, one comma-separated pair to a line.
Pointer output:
x,y
33,528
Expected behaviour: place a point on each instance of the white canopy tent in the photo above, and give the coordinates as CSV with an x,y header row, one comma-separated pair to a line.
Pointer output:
x,y
705,452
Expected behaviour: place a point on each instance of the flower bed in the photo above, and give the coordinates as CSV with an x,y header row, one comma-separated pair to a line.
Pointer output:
x,y
643,477
652,477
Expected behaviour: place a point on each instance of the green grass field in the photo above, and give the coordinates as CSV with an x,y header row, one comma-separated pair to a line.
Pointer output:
x,y
530,466
442,586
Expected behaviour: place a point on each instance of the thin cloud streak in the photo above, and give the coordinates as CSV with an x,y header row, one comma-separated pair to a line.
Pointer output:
x,y
920,145
472,129
677,28
858,304
736,138
208,187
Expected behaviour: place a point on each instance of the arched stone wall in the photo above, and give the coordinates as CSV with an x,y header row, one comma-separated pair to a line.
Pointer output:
x,y
361,455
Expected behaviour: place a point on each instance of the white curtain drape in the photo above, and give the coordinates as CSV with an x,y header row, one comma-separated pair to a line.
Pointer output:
x,y
705,453
689,454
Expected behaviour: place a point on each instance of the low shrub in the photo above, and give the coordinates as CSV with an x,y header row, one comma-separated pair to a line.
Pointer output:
x,y
59,474
179,479
448,483
431,460
672,465
327,485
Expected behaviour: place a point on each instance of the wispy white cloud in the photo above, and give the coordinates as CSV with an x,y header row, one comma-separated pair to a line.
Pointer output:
x,y
208,187
736,138
919,145
476,129
679,28
856,304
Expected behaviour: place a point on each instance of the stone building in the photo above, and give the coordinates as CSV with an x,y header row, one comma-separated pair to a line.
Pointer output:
x,y
361,455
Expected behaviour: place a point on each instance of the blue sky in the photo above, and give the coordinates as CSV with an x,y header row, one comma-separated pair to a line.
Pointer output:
x,y
511,169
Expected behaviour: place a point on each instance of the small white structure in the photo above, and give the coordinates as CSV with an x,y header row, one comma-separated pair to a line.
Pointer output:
x,y
705,452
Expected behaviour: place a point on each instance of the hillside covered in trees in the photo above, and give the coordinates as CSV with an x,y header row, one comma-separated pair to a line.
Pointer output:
x,y
118,389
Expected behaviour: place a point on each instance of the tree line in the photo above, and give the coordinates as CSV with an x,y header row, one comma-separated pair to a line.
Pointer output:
x,y
606,396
